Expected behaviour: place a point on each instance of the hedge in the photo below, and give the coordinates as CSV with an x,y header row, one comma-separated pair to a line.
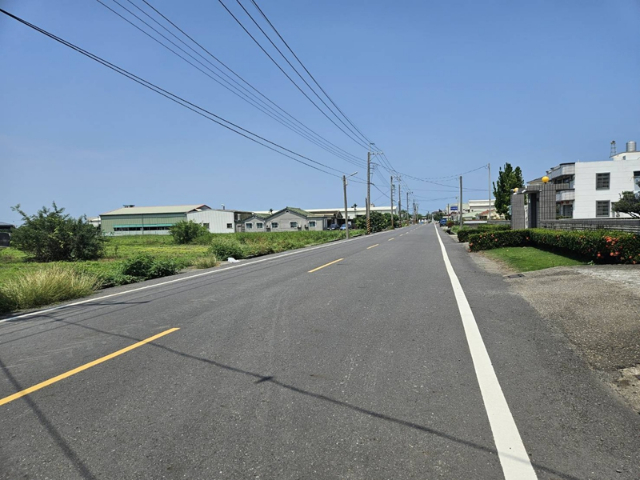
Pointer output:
x,y
600,246
464,232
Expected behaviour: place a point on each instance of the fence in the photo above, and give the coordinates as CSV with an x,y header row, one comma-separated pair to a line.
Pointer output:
x,y
623,224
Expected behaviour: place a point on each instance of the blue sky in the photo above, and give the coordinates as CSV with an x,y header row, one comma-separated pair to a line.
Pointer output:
x,y
441,87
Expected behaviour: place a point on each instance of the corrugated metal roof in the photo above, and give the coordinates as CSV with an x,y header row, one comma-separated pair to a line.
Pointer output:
x,y
170,209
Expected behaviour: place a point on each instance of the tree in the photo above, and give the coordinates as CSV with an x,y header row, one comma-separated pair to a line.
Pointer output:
x,y
379,222
508,179
186,232
52,235
629,203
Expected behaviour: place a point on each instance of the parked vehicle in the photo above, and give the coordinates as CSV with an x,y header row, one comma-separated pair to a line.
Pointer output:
x,y
343,227
334,226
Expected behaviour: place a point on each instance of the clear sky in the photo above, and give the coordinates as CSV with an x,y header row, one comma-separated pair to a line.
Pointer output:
x,y
442,87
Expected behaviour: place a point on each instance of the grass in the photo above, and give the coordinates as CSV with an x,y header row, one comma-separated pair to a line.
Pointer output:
x,y
528,259
47,285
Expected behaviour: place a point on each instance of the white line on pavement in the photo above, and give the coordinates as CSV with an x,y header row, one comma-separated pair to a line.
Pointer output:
x,y
513,456
181,279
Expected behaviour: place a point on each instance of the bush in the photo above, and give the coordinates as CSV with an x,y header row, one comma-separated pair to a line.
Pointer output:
x,y
187,232
209,261
51,236
499,239
46,286
226,246
600,246
163,268
145,266
6,304
138,266
464,232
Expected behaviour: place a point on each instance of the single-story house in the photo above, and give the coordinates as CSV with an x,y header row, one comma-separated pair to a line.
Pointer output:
x,y
289,219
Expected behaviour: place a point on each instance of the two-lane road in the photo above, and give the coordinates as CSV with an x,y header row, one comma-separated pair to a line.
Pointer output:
x,y
353,360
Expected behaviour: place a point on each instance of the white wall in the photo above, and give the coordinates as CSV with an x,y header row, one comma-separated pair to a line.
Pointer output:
x,y
217,220
621,179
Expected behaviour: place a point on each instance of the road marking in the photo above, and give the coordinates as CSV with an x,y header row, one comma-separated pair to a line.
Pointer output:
x,y
182,279
513,456
46,383
390,239
326,265
373,246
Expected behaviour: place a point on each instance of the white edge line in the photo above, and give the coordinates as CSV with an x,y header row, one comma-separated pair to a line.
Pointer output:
x,y
181,279
514,459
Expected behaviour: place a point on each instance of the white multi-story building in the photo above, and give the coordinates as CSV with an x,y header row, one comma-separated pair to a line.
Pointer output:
x,y
593,186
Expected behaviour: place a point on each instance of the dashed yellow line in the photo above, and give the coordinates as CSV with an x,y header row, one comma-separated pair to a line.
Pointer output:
x,y
86,366
325,265
373,246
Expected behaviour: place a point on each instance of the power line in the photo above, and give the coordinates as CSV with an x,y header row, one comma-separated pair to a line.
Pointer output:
x,y
308,72
242,79
179,100
359,142
248,97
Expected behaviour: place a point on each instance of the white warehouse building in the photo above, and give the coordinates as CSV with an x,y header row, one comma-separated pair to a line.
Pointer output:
x,y
594,186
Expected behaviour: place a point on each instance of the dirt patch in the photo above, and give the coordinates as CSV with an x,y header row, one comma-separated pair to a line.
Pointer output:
x,y
597,308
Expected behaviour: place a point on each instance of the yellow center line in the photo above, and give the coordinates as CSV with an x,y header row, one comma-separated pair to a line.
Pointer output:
x,y
46,383
373,246
326,265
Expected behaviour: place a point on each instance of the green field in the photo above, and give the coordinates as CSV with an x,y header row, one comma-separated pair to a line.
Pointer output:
x,y
117,249
527,259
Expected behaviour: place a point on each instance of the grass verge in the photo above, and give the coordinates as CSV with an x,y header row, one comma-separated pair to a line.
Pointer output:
x,y
528,259
46,286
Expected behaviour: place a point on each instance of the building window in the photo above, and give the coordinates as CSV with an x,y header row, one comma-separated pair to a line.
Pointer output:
x,y
274,224
636,183
259,225
312,223
602,181
206,225
249,226
229,225
602,208
293,224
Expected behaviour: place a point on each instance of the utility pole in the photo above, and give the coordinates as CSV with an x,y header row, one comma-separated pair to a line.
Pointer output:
x,y
489,213
408,206
346,215
368,192
399,201
392,202
460,204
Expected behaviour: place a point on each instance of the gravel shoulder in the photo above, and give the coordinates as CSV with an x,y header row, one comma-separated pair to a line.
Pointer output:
x,y
596,308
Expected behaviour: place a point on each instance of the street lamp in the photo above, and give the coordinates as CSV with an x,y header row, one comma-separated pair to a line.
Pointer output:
x,y
346,214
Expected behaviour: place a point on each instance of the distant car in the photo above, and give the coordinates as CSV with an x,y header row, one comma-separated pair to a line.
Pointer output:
x,y
343,227
334,226
443,222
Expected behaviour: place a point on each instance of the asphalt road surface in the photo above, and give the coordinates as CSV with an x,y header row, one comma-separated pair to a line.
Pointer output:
x,y
379,365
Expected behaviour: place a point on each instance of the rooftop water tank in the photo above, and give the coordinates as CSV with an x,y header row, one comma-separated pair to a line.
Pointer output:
x,y
631,146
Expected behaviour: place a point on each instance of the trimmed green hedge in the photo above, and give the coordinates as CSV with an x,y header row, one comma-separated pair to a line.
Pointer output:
x,y
464,232
601,246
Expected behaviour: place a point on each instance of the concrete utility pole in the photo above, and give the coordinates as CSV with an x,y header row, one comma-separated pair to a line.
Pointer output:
x,y
392,202
460,204
346,212
399,201
346,216
489,213
369,193
408,206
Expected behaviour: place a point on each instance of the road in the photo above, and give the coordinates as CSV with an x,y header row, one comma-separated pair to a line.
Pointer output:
x,y
354,360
